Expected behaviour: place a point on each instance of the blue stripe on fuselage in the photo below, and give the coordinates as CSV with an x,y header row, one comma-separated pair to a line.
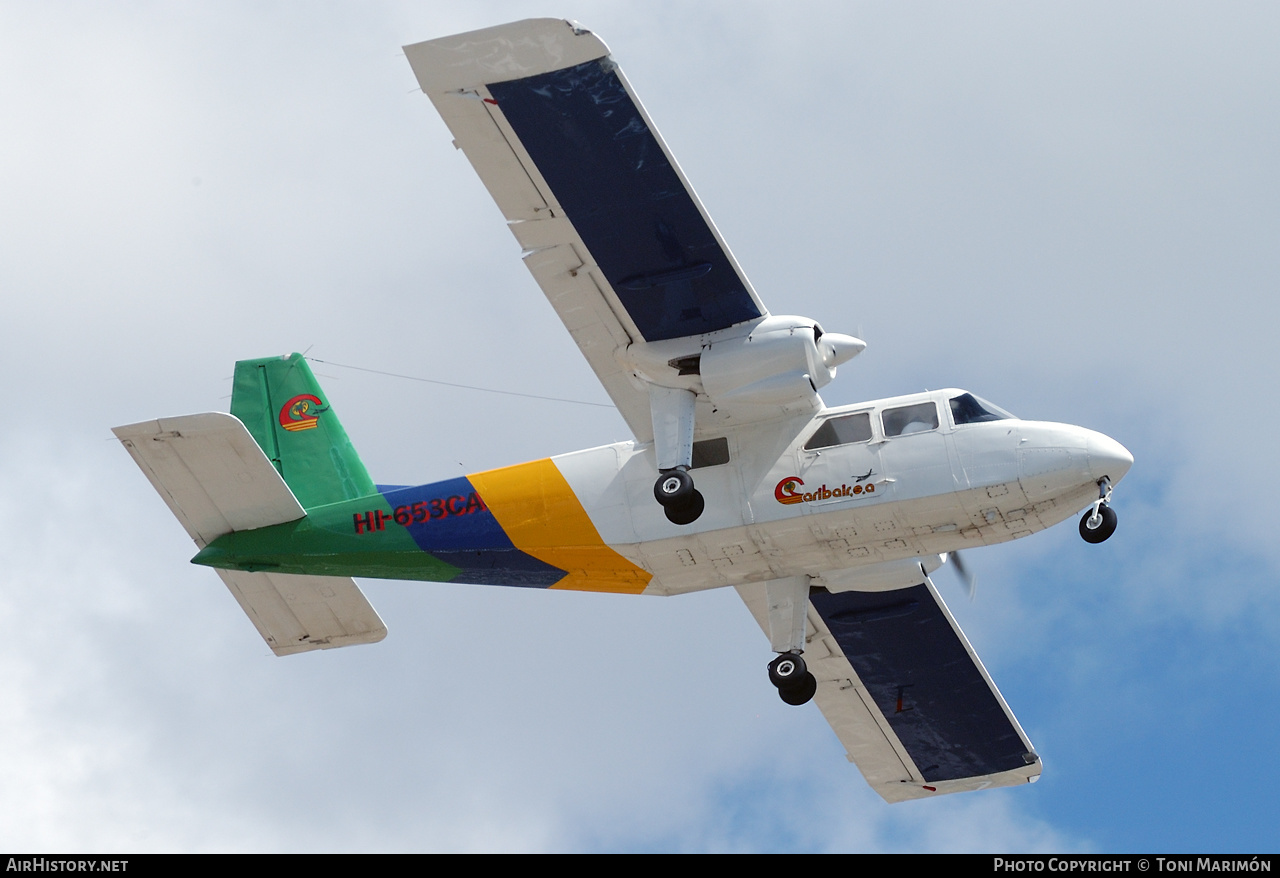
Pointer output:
x,y
462,532
608,172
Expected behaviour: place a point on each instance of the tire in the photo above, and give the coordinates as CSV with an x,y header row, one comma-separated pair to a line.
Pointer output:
x,y
673,489
688,513
800,693
1104,528
788,671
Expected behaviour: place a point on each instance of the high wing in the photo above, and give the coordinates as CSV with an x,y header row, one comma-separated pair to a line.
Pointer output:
x,y
906,695
629,259
612,231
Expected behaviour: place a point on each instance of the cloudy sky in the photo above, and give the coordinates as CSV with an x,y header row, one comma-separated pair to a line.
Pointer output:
x,y
1072,209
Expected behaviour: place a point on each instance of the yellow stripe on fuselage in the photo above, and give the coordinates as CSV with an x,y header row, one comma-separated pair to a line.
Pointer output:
x,y
542,516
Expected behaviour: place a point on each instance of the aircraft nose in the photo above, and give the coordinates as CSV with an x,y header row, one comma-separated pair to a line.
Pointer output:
x,y
1107,457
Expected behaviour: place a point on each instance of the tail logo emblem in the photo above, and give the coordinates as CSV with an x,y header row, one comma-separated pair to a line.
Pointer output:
x,y
302,412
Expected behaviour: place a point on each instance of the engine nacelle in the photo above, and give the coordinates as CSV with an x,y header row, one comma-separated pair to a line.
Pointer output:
x,y
781,360
885,576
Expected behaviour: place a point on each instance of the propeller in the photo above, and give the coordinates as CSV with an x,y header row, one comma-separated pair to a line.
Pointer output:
x,y
966,575
835,348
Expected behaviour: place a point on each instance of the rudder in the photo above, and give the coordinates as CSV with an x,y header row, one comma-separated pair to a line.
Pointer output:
x,y
282,405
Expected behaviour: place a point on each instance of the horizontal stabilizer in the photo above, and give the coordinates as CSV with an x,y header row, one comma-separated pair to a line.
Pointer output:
x,y
301,613
216,479
212,474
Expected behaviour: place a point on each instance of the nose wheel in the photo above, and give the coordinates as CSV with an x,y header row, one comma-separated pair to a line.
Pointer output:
x,y
1099,522
789,673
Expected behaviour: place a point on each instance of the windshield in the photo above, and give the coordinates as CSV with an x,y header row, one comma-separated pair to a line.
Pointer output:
x,y
969,409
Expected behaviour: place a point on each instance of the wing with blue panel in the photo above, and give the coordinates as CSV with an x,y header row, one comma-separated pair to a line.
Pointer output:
x,y
612,231
906,695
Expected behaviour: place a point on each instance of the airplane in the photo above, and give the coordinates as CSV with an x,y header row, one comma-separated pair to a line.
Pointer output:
x,y
827,521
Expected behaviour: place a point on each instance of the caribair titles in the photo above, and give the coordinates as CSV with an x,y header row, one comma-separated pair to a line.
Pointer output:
x,y
786,491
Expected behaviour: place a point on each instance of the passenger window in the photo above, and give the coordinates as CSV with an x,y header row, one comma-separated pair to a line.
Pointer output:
x,y
841,431
910,419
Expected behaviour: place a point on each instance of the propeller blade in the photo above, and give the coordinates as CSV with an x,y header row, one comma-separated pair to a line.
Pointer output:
x,y
966,575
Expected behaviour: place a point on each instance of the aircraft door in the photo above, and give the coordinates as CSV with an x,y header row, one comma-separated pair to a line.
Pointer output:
x,y
914,452
838,464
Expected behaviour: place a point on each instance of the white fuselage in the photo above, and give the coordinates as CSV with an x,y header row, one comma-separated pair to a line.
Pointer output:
x,y
860,508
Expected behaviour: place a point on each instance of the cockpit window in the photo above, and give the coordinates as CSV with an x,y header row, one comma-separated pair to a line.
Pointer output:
x,y
910,419
969,409
841,431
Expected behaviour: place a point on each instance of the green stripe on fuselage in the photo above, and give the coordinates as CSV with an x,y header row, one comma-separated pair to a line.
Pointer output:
x,y
329,542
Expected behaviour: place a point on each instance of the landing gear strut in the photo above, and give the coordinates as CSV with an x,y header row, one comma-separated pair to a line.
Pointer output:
x,y
672,410
1099,522
789,673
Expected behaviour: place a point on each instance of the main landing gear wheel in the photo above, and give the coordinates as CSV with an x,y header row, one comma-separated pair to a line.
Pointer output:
x,y
786,670
800,693
688,513
681,502
1096,526
795,684
673,488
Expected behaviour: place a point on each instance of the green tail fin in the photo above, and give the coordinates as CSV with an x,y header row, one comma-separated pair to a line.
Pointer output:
x,y
281,403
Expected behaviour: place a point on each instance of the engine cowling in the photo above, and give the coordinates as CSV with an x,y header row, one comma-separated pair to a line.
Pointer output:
x,y
781,360
885,576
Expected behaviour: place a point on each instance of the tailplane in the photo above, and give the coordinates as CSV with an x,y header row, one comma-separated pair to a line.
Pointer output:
x,y
290,454
216,480
282,405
